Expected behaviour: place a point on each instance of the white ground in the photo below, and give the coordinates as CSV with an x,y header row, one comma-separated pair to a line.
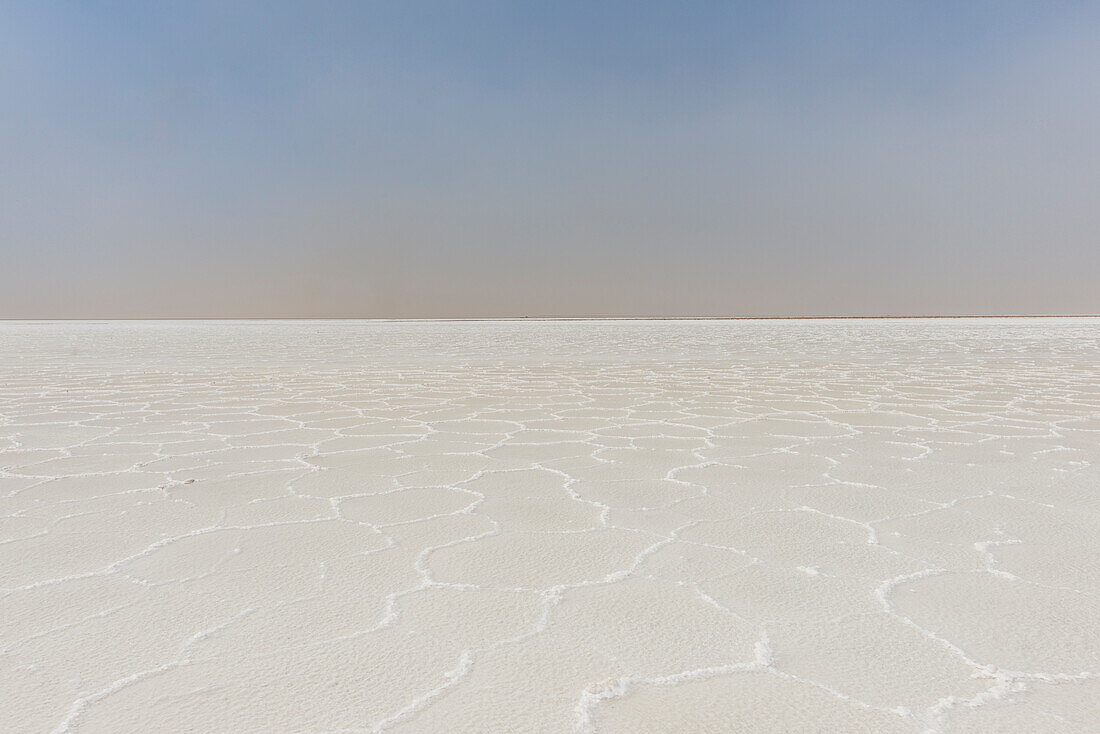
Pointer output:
x,y
545,526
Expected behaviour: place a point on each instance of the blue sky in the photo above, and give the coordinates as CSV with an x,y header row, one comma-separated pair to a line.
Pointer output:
x,y
509,159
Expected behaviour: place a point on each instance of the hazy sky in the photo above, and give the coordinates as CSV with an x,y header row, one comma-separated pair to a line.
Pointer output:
x,y
559,158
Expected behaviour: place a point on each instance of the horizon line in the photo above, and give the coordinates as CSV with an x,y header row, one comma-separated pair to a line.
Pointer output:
x,y
548,318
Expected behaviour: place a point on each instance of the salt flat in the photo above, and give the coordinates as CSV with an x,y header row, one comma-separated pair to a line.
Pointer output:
x,y
548,526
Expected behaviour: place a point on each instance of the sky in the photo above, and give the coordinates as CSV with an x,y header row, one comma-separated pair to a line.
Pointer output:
x,y
414,160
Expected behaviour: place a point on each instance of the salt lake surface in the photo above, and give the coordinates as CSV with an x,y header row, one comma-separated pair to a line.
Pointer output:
x,y
550,526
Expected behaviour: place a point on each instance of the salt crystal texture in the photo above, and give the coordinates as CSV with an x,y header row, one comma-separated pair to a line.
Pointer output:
x,y
545,526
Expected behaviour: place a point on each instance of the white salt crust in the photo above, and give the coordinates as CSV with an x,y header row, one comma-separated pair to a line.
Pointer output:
x,y
541,526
